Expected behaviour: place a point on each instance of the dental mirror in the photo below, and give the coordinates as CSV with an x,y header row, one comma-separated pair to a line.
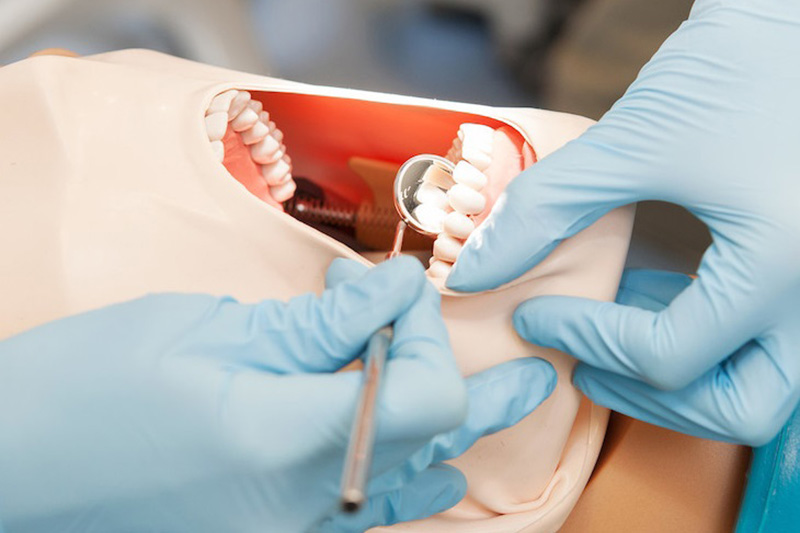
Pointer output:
x,y
420,192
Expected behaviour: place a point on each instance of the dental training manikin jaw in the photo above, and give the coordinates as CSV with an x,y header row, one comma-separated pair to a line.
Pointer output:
x,y
115,212
486,160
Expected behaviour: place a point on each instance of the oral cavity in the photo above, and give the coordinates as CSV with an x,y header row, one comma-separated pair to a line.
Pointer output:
x,y
250,146
236,112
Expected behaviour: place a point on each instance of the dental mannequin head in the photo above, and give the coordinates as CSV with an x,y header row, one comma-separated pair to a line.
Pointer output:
x,y
166,175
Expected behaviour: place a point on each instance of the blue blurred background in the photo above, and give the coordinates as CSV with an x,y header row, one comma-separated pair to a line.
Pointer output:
x,y
444,49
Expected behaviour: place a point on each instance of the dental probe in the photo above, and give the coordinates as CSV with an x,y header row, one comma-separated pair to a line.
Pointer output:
x,y
419,170
362,434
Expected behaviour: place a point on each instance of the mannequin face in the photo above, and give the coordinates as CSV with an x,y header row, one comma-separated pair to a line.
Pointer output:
x,y
156,178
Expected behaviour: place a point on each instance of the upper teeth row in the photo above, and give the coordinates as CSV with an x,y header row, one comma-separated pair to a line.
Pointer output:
x,y
463,199
245,116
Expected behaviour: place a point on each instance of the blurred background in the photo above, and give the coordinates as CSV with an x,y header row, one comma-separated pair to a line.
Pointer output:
x,y
577,56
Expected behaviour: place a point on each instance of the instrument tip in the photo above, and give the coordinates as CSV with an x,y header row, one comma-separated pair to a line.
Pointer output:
x,y
352,500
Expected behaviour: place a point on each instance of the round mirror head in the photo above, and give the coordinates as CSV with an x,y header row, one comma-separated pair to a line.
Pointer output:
x,y
420,192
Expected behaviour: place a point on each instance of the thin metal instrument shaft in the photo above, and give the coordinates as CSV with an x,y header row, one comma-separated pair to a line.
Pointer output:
x,y
397,244
362,435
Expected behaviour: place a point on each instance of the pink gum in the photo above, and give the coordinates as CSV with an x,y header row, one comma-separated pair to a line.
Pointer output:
x,y
241,166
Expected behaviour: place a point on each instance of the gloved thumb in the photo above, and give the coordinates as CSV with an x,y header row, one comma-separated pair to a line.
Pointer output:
x,y
552,200
342,270
326,333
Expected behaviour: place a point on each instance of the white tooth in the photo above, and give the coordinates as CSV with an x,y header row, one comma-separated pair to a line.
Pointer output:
x,y
266,151
238,103
438,176
286,177
466,200
458,225
429,216
244,120
277,172
221,102
477,141
454,153
457,145
283,192
263,116
476,155
256,106
439,269
446,248
219,150
476,132
216,124
470,176
277,135
255,134
280,154
432,195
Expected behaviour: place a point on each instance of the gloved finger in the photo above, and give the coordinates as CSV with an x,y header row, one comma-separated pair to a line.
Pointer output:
x,y
424,393
499,397
650,289
431,491
554,199
342,270
705,322
323,334
746,399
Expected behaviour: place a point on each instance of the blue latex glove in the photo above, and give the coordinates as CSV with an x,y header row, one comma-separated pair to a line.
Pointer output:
x,y
192,413
712,123
498,397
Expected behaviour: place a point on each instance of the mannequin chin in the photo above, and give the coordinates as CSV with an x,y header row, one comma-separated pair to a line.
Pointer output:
x,y
135,197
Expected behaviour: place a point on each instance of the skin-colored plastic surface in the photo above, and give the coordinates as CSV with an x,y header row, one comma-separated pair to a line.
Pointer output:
x,y
109,190
656,480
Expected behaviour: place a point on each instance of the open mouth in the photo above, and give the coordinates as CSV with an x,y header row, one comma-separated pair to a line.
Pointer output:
x,y
348,152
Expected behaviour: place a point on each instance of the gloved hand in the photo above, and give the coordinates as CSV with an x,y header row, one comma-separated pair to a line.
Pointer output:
x,y
711,123
181,412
